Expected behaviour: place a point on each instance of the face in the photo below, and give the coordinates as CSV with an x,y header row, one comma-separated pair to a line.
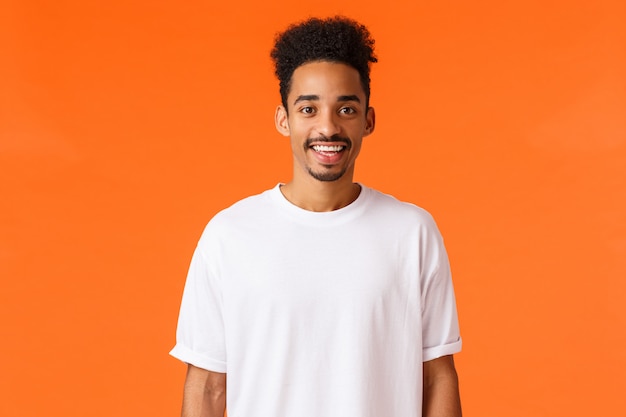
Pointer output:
x,y
326,120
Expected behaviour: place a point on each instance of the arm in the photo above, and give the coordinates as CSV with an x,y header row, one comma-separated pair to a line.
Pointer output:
x,y
204,394
441,388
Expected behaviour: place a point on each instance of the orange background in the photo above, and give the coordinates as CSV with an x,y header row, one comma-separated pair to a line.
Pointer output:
x,y
124,126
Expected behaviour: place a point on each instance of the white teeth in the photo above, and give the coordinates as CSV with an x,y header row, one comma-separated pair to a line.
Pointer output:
x,y
327,148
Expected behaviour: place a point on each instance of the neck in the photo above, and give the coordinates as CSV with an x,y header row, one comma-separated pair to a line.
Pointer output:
x,y
314,195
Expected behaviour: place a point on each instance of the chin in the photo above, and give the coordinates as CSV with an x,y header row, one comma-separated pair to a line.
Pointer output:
x,y
327,176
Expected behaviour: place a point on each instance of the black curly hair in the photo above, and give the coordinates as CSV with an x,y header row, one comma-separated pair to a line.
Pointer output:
x,y
334,39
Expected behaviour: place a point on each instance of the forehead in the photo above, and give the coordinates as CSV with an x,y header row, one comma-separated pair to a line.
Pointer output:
x,y
326,79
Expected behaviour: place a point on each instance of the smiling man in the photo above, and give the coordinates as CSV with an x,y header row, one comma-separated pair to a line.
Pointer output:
x,y
326,117
320,297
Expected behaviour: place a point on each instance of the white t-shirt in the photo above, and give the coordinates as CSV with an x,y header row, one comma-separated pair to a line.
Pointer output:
x,y
319,314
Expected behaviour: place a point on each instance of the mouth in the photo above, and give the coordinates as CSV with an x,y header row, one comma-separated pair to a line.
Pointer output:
x,y
329,154
332,145
328,150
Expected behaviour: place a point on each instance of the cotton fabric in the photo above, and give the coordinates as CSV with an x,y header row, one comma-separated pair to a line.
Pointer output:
x,y
319,314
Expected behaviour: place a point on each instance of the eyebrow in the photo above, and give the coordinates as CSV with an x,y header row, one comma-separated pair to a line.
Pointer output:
x,y
310,97
349,98
314,97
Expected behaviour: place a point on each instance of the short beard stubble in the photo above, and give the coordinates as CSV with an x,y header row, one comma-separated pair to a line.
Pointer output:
x,y
327,176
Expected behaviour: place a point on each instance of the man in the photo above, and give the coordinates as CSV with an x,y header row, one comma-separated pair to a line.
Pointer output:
x,y
320,297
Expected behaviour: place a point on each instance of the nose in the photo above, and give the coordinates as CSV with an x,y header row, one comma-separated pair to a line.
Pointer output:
x,y
328,124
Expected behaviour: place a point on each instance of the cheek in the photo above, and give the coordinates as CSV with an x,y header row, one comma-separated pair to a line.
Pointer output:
x,y
296,145
296,129
356,146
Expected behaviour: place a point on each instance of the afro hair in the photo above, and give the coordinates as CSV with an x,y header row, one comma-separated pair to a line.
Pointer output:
x,y
335,39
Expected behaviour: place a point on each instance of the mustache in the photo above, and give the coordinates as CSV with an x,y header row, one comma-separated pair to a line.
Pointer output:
x,y
333,138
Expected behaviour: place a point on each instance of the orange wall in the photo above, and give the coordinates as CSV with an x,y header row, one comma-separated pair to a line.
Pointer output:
x,y
124,126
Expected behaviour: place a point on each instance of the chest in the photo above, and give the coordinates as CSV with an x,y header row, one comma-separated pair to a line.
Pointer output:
x,y
319,271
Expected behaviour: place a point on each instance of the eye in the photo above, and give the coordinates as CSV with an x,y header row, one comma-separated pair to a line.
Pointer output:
x,y
347,110
307,110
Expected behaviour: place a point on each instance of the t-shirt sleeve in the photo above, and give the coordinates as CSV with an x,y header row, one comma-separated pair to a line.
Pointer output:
x,y
440,326
200,331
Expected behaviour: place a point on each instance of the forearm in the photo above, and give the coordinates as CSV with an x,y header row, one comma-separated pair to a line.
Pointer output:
x,y
441,389
204,394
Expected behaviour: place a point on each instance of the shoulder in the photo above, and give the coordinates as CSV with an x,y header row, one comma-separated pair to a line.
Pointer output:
x,y
242,214
246,206
405,212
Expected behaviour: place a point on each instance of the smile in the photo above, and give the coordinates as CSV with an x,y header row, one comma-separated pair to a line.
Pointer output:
x,y
328,148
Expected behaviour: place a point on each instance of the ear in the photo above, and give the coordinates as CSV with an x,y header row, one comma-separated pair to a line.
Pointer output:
x,y
281,121
370,120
